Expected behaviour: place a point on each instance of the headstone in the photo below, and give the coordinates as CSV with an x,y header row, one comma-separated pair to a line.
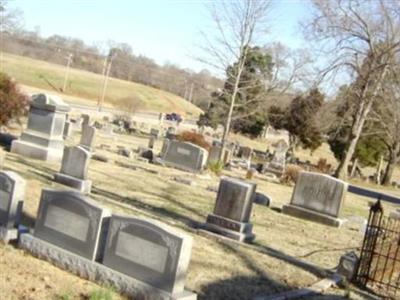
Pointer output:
x,y
2,158
85,120
72,222
317,197
43,138
150,252
151,142
262,199
215,153
12,192
67,129
246,152
184,156
74,169
348,265
155,132
88,138
232,210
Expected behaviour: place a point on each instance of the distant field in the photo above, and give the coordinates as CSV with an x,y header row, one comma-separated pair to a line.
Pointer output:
x,y
83,84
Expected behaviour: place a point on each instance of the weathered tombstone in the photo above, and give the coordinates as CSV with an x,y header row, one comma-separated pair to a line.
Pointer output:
x,y
170,133
155,132
152,140
12,192
85,120
246,152
150,252
67,129
43,138
215,152
185,156
317,197
71,222
232,210
2,158
161,118
88,138
74,169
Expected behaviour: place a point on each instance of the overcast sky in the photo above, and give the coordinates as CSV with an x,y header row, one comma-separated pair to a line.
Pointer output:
x,y
164,30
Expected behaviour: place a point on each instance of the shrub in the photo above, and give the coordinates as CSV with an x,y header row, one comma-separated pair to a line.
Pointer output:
x,y
216,167
13,103
290,174
194,138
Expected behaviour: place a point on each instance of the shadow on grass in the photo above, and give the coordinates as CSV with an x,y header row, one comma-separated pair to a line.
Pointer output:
x,y
136,203
261,285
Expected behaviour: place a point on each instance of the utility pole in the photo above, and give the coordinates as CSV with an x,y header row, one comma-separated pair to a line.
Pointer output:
x,y
106,70
191,92
69,61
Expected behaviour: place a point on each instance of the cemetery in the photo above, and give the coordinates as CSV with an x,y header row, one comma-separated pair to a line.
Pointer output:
x,y
172,229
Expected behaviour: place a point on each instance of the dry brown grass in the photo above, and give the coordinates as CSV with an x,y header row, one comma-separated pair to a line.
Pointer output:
x,y
217,270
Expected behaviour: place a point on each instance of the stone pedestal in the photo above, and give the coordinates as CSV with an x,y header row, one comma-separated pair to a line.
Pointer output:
x,y
232,210
83,186
43,138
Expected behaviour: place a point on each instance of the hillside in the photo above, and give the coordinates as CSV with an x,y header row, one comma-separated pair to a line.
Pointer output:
x,y
83,84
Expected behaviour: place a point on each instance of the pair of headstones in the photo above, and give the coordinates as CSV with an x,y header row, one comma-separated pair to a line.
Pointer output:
x,y
182,155
12,192
145,251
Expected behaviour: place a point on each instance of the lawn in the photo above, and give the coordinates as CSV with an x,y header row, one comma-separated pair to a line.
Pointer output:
x,y
218,269
82,84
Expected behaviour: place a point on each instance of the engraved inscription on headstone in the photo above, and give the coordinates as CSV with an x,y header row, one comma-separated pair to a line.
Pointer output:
x,y
148,251
70,221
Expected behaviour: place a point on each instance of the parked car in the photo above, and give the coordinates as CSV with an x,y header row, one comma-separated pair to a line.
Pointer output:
x,y
173,117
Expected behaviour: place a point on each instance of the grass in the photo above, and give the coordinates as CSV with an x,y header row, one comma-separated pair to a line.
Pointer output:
x,y
218,270
87,85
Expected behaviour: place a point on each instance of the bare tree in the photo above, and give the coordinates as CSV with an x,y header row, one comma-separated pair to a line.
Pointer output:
x,y
358,38
239,24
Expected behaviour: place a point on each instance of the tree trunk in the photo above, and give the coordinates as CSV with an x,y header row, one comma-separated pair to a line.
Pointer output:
x,y
357,126
393,160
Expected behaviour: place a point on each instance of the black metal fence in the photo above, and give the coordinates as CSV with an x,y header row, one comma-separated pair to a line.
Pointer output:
x,y
379,266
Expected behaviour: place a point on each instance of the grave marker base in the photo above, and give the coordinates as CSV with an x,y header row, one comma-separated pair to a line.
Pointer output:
x,y
36,151
84,186
7,235
239,231
310,215
97,272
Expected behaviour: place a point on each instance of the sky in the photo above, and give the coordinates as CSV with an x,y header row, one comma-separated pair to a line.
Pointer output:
x,y
164,30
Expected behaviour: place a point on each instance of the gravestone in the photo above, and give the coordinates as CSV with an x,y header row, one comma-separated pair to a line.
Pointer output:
x,y
43,137
317,197
278,162
74,169
67,129
232,210
2,158
88,138
155,132
185,156
150,252
71,222
246,152
12,192
215,152
152,140
85,120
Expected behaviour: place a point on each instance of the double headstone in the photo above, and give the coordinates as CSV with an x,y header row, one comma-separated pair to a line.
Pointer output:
x,y
74,169
317,197
43,138
12,192
182,155
88,138
150,252
232,210
71,222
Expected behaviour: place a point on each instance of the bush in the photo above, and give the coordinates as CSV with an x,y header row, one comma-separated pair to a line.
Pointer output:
x,y
216,167
291,174
13,103
194,138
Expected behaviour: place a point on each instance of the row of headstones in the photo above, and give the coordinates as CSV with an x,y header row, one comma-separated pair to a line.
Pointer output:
x,y
146,251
